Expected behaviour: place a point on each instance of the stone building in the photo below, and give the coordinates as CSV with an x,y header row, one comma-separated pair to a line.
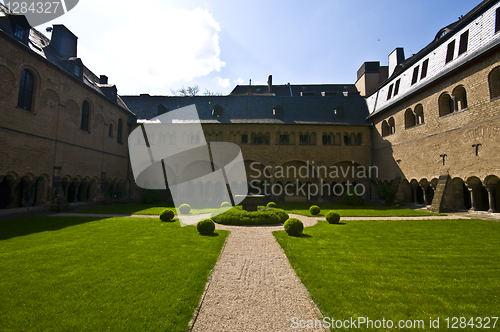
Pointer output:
x,y
436,115
279,133
63,130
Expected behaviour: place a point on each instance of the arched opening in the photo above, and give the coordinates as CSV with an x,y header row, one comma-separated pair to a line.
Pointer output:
x,y
494,82
26,90
419,114
4,193
410,119
392,125
460,98
446,104
385,129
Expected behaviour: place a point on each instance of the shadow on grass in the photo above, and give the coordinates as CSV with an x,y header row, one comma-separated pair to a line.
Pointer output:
x,y
210,235
303,235
22,227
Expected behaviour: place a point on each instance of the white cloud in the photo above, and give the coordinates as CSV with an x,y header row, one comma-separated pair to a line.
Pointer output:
x,y
223,82
239,81
156,49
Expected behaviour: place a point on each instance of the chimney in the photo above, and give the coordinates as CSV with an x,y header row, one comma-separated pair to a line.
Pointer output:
x,y
64,41
250,89
395,58
103,79
270,83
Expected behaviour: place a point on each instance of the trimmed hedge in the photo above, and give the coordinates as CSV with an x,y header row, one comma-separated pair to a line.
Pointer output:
x,y
350,198
184,208
293,227
167,215
314,210
282,214
332,217
205,226
238,216
271,205
151,196
225,204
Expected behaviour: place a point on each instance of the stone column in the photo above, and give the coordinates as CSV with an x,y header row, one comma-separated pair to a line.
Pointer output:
x,y
12,184
472,197
426,194
491,197
26,198
84,186
77,184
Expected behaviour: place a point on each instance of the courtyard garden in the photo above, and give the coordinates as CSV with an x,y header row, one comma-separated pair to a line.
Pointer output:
x,y
102,274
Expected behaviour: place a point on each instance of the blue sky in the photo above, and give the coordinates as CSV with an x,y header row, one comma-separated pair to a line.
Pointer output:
x,y
154,46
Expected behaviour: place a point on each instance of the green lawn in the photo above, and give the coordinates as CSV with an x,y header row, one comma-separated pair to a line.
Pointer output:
x,y
94,274
400,270
367,210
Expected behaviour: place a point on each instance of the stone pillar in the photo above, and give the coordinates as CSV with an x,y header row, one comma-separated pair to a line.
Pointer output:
x,y
26,197
472,197
84,186
426,194
491,197
65,185
415,198
77,184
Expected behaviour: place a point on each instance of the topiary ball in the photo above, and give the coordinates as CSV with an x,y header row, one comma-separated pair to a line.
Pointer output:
x,y
271,205
225,204
282,214
332,217
293,227
184,208
167,215
205,226
315,210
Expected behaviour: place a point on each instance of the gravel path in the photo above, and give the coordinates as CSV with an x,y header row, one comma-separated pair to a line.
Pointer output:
x,y
253,287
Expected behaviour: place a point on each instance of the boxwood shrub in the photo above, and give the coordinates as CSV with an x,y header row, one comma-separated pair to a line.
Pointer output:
x,y
271,205
167,215
293,227
332,217
184,208
205,226
314,210
225,204
238,216
350,198
282,214
150,196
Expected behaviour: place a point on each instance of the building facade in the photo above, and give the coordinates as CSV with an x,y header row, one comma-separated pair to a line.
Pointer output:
x,y
63,130
437,116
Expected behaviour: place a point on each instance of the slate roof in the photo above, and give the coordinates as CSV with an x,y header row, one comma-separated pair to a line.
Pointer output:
x,y
40,44
259,109
284,89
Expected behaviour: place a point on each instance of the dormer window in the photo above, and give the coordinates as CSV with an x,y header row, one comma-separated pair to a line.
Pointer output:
x,y
338,112
306,94
217,110
77,71
278,110
18,31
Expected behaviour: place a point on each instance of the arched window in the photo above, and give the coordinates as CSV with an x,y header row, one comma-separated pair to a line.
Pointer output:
x,y
446,105
494,83
304,138
26,88
392,126
410,119
460,98
119,131
110,134
337,140
85,116
385,129
419,114
359,139
352,139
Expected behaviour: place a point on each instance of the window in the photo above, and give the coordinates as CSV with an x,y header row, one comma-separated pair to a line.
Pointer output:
x,y
25,98
415,75
119,132
451,51
446,104
258,140
392,126
327,140
497,21
494,83
389,94
359,139
419,114
425,65
460,98
410,120
85,116
18,32
396,87
385,129
244,139
110,133
278,110
464,42
346,139
304,139
284,139
77,71
217,110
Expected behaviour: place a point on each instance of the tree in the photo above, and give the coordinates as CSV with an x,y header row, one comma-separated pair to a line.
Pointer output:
x,y
191,91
